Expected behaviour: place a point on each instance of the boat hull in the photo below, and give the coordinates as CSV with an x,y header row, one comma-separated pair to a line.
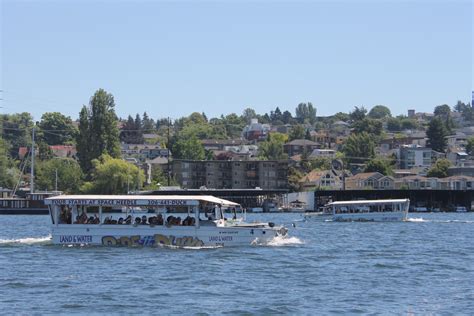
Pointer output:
x,y
371,217
173,236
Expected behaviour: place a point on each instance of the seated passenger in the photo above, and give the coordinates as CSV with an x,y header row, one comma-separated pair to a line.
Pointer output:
x,y
159,220
120,221
138,220
144,219
128,220
114,222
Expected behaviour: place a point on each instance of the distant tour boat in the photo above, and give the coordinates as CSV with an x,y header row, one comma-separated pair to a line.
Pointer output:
x,y
152,220
370,210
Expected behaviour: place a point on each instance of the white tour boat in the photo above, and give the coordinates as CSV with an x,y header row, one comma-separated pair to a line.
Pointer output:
x,y
370,210
151,220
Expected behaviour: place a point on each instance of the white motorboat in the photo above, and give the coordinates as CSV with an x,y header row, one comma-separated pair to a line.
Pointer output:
x,y
153,221
370,210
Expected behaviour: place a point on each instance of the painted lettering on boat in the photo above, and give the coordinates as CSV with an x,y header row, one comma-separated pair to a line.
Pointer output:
x,y
154,240
220,238
70,239
119,202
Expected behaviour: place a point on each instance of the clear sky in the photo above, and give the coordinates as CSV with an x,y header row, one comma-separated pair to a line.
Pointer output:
x,y
171,58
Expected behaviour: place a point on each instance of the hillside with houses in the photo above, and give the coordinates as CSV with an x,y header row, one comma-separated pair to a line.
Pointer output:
x,y
294,150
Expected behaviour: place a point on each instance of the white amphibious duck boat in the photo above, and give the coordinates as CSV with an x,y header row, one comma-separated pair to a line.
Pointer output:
x,y
152,220
395,210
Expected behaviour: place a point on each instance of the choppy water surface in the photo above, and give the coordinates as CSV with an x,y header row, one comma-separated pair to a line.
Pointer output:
x,y
425,266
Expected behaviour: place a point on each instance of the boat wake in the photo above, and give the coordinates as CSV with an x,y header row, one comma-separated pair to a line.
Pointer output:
x,y
26,241
421,220
282,241
417,220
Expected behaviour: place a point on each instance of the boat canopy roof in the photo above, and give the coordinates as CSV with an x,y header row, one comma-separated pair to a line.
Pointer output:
x,y
137,200
365,202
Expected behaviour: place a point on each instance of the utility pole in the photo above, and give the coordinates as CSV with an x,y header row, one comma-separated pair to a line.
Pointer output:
x,y
168,147
32,180
56,186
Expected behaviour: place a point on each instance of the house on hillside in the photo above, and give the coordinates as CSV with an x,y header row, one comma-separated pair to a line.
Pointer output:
x,y
256,130
370,180
299,146
322,179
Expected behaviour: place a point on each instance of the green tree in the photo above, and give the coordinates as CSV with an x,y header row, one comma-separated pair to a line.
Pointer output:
x,y
113,176
8,172
248,114
368,125
297,132
379,164
98,130
272,148
466,110
306,113
436,134
287,118
320,163
57,129
16,131
470,146
443,112
439,169
341,116
294,178
148,124
380,112
188,148
358,114
358,148
131,133
70,175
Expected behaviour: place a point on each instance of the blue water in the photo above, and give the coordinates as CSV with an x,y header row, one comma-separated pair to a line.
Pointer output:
x,y
422,267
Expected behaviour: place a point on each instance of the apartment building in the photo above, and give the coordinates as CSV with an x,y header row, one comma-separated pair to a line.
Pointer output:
x,y
222,174
411,156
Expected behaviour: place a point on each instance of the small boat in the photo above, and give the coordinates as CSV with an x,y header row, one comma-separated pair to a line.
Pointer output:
x,y
322,213
153,220
460,209
370,210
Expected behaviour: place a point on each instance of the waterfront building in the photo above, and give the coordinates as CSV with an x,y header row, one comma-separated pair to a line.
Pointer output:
x,y
231,174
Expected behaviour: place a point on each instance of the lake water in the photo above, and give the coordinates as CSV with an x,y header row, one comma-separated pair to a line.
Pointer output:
x,y
425,266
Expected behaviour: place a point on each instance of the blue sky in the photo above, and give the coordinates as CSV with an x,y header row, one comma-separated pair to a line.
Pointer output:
x,y
172,58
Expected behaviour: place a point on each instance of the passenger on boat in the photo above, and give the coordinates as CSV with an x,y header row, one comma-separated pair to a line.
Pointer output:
x,y
128,220
137,220
234,216
188,221
159,219
81,219
144,220
120,221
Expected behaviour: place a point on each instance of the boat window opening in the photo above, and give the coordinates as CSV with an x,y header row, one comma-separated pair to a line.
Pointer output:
x,y
65,215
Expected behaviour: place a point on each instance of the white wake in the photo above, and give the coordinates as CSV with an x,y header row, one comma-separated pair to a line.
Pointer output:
x,y
280,241
26,241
